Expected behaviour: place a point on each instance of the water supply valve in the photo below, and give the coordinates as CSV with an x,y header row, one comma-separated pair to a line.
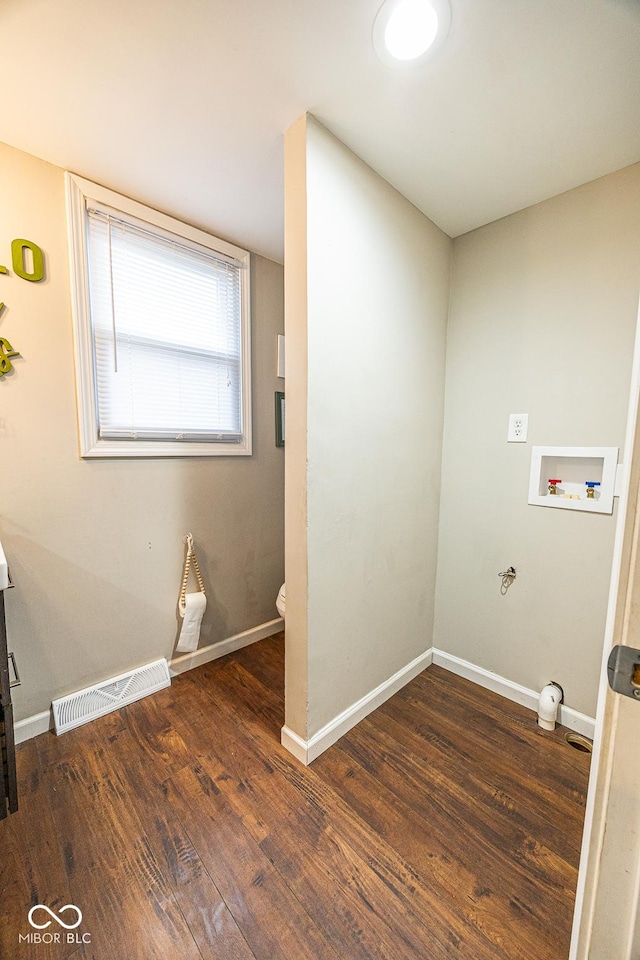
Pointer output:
x,y
552,487
591,488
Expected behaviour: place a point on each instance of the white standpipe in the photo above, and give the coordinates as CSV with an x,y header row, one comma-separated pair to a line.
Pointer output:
x,y
551,697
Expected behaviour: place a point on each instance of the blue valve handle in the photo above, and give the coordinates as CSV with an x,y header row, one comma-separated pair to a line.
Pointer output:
x,y
592,483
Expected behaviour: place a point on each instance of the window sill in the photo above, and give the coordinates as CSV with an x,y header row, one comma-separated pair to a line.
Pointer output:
x,y
160,449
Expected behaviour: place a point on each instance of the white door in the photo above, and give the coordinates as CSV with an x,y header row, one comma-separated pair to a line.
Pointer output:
x,y
606,922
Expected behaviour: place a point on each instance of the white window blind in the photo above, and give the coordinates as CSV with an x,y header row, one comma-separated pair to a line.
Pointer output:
x,y
166,334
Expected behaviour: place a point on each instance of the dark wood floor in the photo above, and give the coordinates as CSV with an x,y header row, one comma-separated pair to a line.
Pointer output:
x,y
446,825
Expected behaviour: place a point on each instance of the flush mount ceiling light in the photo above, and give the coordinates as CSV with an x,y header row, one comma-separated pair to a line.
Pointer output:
x,y
410,31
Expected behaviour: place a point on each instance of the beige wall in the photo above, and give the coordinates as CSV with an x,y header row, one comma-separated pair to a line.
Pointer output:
x,y
368,315
542,321
95,547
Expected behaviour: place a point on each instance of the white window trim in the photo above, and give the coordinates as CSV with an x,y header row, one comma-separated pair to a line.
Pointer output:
x,y
80,192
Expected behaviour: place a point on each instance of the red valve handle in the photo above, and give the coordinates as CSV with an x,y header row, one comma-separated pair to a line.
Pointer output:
x,y
555,481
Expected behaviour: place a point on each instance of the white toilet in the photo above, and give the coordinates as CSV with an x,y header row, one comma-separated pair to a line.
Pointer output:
x,y
280,601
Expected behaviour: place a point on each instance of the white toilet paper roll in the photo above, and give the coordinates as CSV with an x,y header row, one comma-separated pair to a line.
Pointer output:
x,y
194,607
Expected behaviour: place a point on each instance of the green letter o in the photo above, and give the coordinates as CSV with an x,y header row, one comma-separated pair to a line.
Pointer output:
x,y
17,257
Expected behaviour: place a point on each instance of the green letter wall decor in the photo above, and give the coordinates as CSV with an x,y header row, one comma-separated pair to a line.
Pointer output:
x,y
6,352
17,257
21,270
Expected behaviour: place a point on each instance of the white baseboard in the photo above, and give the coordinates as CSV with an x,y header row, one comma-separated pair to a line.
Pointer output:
x,y
568,717
307,750
295,745
41,722
187,661
32,726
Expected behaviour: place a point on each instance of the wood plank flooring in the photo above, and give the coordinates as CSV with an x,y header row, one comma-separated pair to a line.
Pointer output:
x,y
445,825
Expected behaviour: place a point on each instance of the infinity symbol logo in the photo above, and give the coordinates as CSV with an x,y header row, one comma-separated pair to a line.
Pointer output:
x,y
67,926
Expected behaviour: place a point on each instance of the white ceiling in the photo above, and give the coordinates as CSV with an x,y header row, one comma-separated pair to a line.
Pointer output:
x,y
183,103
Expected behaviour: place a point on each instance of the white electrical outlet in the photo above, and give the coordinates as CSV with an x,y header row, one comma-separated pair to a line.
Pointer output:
x,y
518,426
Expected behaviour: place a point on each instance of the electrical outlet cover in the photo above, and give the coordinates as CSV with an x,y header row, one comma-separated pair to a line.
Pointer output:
x,y
518,427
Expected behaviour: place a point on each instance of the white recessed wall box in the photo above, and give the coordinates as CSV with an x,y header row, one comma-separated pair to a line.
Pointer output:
x,y
574,478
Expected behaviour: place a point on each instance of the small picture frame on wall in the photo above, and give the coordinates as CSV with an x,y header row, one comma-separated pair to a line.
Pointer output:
x,y
279,418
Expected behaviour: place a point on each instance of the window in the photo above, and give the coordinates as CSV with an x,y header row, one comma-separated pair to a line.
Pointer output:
x,y
161,314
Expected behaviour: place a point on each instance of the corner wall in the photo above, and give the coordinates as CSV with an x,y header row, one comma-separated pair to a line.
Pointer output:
x,y
542,321
95,548
366,318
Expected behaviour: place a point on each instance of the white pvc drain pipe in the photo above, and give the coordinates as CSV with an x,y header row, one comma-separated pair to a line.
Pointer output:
x,y
549,702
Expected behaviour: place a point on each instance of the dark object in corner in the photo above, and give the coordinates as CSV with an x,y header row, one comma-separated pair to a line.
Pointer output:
x,y
279,418
9,795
